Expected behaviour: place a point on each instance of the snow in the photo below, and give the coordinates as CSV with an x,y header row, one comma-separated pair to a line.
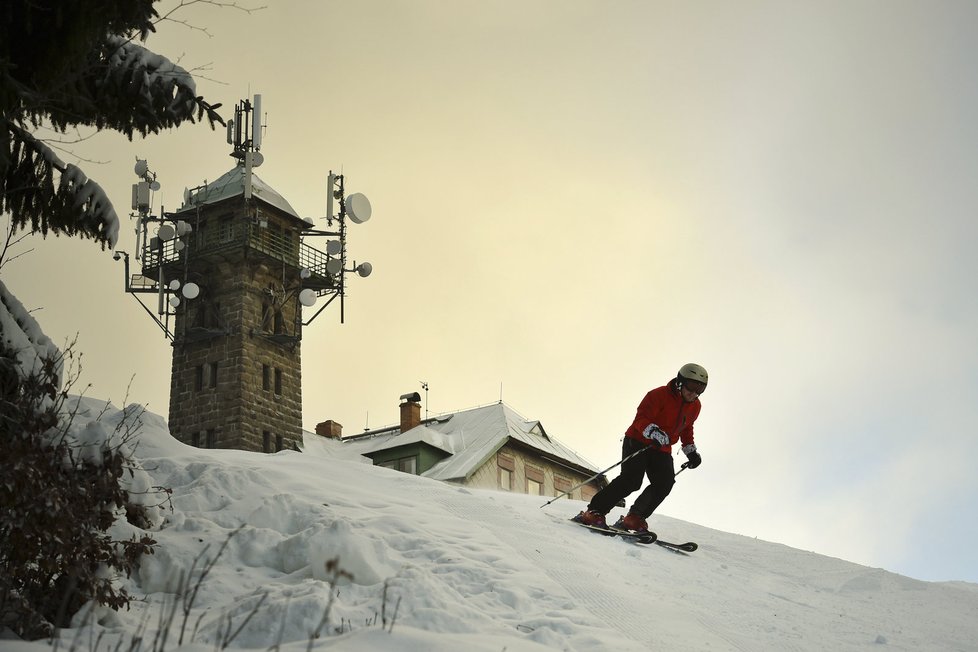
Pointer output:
x,y
21,332
405,563
156,70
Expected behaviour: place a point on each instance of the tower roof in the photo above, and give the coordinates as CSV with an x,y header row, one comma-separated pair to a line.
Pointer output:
x,y
231,184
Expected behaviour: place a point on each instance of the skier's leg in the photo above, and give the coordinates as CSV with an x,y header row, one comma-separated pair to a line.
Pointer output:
x,y
628,481
662,476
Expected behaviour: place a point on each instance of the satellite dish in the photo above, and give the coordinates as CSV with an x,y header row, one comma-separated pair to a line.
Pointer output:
x,y
174,301
174,285
334,247
141,167
166,232
307,297
364,269
304,273
154,185
191,291
334,266
183,228
257,158
358,207
178,246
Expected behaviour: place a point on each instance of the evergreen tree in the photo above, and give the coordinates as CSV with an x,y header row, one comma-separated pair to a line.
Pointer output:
x,y
74,63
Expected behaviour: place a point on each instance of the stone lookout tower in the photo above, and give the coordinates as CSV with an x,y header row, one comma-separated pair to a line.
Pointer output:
x,y
231,272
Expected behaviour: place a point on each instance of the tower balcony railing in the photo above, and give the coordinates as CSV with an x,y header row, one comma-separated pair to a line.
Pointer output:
x,y
277,244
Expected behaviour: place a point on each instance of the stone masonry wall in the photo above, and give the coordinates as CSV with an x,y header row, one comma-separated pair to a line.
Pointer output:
x,y
254,400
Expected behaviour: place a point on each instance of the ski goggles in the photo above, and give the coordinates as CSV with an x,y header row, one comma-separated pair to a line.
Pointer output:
x,y
694,386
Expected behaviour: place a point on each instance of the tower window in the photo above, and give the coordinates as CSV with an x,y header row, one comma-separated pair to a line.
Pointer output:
x,y
266,377
211,438
198,377
266,441
278,443
213,381
278,381
266,314
226,230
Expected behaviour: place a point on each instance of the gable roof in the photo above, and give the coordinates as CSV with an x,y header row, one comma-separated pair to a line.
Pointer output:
x,y
471,437
231,184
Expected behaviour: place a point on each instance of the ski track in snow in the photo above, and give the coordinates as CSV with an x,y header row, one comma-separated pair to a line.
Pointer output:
x,y
613,608
606,606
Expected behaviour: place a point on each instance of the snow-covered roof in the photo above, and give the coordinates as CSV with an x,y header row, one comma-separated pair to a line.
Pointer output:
x,y
231,184
421,433
470,437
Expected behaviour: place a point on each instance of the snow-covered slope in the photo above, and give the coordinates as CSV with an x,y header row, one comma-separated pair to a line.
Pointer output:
x,y
423,565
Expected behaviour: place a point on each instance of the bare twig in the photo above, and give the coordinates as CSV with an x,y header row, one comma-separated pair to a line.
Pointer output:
x,y
183,4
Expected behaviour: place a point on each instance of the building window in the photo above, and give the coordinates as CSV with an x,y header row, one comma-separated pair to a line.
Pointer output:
x,y
266,441
213,380
534,481
226,230
505,479
211,438
404,465
198,378
266,314
279,323
279,443
195,439
278,381
266,377
507,469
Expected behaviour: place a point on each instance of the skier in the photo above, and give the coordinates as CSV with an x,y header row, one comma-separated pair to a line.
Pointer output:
x,y
664,417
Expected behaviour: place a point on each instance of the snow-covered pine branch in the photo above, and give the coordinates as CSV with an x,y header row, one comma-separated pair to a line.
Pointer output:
x,y
76,205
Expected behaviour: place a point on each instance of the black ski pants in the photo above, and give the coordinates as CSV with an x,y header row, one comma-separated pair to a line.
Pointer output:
x,y
656,465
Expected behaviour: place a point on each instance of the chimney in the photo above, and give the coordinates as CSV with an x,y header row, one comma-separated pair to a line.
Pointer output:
x,y
410,411
330,429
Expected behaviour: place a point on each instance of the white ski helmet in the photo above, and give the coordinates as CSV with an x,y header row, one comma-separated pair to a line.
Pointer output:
x,y
693,372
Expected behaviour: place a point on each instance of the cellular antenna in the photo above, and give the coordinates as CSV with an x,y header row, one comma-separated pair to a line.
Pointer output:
x,y
256,124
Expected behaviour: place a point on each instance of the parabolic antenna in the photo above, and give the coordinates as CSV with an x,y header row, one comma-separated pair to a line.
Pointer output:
x,y
257,158
334,266
154,185
307,297
141,167
358,207
191,290
166,232
174,285
364,269
334,247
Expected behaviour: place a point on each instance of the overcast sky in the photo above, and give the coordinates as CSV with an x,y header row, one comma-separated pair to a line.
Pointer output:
x,y
571,199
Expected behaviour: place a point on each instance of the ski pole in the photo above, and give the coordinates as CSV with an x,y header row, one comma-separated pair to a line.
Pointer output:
x,y
681,468
599,473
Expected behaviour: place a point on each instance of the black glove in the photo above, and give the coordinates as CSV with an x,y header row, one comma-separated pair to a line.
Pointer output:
x,y
694,460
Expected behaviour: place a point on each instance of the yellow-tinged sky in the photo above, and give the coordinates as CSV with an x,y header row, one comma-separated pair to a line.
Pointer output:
x,y
573,198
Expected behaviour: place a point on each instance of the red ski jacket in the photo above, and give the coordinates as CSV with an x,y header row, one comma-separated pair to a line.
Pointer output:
x,y
665,408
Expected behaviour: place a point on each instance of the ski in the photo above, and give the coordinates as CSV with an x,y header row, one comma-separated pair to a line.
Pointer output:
x,y
637,537
689,546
